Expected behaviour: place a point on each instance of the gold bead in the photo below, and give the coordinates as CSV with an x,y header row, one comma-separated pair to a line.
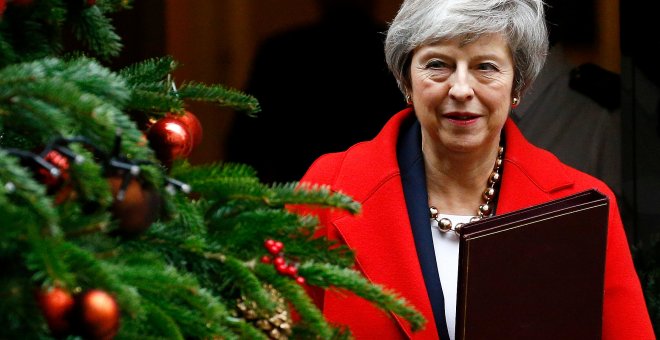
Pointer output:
x,y
494,177
498,163
500,151
444,225
434,212
484,209
475,218
489,194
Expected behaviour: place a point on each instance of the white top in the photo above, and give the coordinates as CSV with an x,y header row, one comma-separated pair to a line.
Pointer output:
x,y
446,256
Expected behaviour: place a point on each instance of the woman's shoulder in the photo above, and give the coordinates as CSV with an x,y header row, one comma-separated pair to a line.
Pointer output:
x,y
366,159
545,169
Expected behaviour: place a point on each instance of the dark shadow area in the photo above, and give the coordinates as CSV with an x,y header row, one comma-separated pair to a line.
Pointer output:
x,y
321,88
641,143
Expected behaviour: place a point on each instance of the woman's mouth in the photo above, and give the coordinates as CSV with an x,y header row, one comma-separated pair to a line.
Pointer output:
x,y
461,118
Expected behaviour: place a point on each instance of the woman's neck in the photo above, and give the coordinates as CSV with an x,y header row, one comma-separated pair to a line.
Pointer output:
x,y
456,181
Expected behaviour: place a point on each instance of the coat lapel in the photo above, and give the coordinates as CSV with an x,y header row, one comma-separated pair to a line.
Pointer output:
x,y
381,235
530,175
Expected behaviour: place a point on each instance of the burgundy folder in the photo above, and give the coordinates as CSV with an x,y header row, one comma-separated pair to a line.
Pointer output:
x,y
535,273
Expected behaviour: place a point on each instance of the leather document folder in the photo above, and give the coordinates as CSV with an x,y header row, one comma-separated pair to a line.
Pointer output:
x,y
535,273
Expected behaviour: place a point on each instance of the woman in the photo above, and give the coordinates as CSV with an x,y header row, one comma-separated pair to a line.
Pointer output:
x,y
462,65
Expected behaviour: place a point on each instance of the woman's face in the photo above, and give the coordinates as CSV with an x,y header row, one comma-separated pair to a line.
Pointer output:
x,y
462,94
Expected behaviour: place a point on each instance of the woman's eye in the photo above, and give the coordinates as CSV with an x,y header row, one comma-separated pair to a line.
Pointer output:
x,y
487,67
435,64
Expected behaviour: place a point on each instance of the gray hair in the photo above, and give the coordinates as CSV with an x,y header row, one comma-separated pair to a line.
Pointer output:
x,y
423,22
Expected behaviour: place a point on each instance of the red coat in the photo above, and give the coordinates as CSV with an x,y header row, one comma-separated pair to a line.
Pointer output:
x,y
382,239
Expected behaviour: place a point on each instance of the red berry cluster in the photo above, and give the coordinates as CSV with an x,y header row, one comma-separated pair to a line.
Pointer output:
x,y
276,248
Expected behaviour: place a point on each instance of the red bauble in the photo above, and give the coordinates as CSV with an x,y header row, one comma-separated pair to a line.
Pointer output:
x,y
56,305
61,163
193,124
138,209
98,315
170,139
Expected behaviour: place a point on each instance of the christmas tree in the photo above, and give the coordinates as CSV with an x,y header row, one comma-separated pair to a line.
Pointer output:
x,y
107,230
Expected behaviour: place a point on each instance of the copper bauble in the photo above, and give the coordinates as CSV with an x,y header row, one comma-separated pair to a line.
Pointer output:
x,y
170,139
97,314
137,209
194,126
56,305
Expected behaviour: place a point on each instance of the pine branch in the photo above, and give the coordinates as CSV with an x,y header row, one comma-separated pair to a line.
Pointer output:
x,y
97,32
312,317
223,96
156,324
247,282
326,276
93,272
149,71
27,194
84,177
177,295
32,34
111,6
7,53
295,193
150,101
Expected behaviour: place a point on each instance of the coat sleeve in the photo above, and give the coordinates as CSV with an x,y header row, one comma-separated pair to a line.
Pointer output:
x,y
625,315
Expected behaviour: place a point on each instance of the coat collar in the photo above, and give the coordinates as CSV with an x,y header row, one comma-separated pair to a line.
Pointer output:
x,y
381,235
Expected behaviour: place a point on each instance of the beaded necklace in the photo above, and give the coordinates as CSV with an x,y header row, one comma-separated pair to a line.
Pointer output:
x,y
485,209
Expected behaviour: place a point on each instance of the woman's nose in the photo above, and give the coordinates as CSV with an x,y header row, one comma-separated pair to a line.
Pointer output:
x,y
461,87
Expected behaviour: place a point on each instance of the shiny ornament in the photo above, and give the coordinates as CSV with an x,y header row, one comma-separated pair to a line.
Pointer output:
x,y
194,126
97,315
59,186
56,305
275,325
61,163
170,139
136,208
